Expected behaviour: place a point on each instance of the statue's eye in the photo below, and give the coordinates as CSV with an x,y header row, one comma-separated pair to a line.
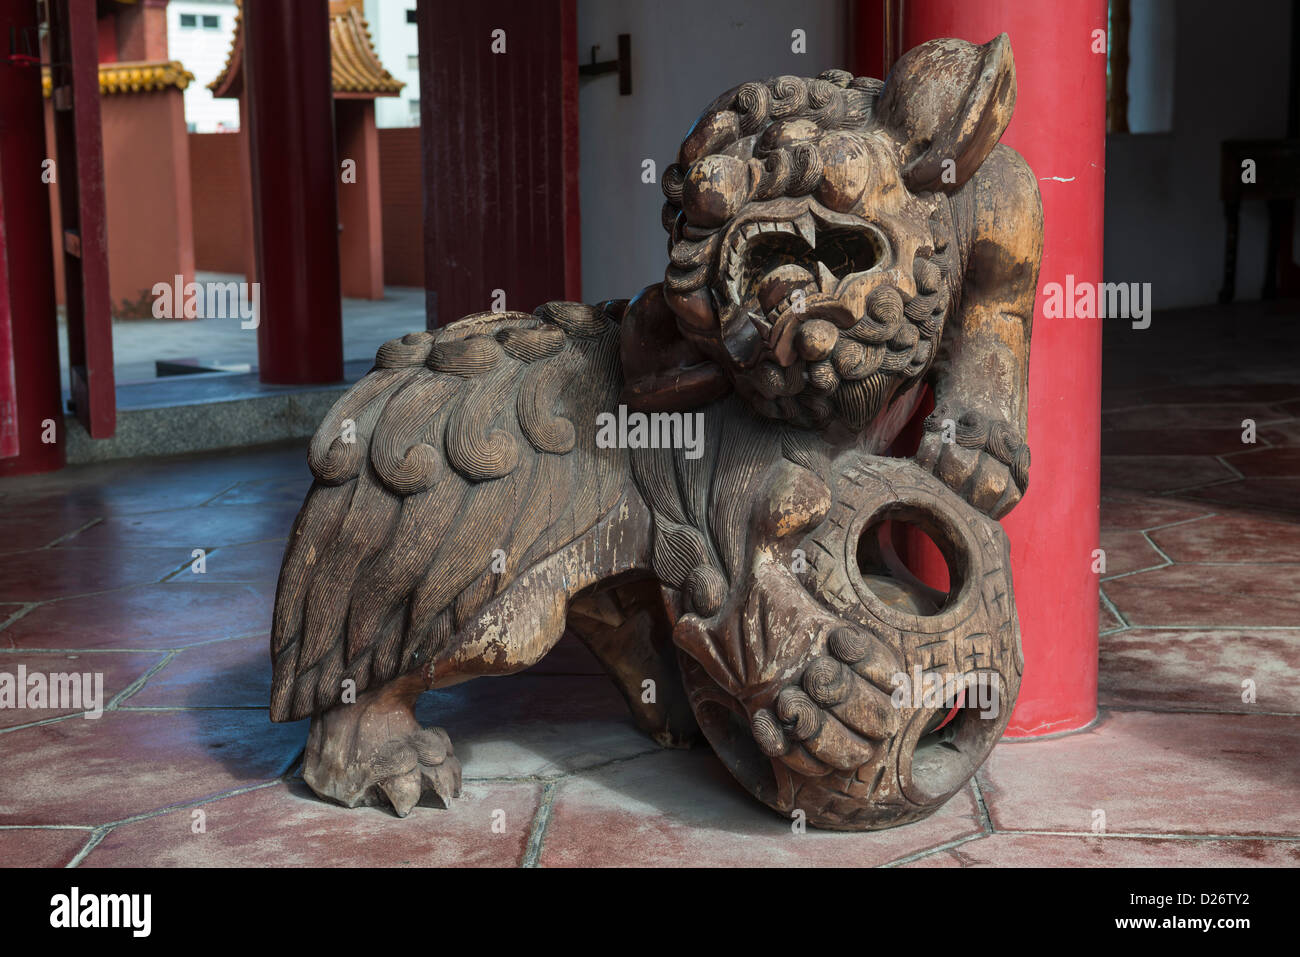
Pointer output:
x,y
846,170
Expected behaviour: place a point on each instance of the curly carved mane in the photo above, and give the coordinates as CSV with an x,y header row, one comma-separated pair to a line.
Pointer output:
x,y
453,447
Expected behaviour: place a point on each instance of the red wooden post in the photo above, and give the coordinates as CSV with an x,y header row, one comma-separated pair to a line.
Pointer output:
x,y
74,77
29,345
1059,127
295,191
498,116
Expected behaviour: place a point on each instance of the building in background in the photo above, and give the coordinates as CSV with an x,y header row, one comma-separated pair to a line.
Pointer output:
x,y
396,40
199,33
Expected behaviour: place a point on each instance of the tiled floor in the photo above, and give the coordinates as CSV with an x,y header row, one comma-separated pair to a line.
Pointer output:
x,y
1200,604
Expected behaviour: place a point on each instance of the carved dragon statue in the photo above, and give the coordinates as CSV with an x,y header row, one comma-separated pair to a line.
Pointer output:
x,y
834,243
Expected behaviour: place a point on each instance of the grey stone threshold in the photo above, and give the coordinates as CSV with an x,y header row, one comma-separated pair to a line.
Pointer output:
x,y
208,412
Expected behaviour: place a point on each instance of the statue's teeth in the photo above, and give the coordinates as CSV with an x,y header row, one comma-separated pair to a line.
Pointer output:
x,y
751,230
804,224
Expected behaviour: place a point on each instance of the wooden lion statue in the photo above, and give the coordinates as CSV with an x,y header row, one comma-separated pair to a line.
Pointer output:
x,y
694,482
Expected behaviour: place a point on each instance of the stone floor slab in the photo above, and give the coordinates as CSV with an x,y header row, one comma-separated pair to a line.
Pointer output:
x,y
1038,850
286,825
1149,773
683,808
128,763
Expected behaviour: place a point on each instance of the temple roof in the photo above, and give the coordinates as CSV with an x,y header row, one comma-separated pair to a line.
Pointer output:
x,y
134,77
355,70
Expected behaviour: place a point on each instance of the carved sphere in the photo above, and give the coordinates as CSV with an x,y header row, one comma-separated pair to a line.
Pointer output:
x,y
715,189
846,170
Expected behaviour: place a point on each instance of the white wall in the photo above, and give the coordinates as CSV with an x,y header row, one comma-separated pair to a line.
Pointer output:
x,y
203,52
684,53
395,41
1164,219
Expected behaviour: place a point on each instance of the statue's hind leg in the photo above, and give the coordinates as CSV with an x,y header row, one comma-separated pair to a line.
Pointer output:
x,y
625,625
373,751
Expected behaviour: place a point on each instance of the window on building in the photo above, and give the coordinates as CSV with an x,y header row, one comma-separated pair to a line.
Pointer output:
x,y
211,21
414,105
189,21
413,61
410,16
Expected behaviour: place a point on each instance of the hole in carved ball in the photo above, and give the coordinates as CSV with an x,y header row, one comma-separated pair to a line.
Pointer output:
x,y
907,562
946,754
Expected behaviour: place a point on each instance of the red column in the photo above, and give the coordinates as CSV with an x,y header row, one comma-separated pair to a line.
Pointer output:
x,y
498,124
361,239
29,384
295,191
1060,129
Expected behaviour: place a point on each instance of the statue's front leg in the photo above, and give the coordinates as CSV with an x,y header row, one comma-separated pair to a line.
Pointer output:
x,y
975,440
373,751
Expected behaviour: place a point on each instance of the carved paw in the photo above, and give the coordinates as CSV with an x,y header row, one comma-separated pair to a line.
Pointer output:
x,y
982,459
404,768
374,752
839,711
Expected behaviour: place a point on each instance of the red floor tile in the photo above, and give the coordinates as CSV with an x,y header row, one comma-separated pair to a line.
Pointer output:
x,y
1256,495
26,527
1127,552
1162,473
147,485
1210,774
1230,538
1171,441
126,763
118,670
258,562
1193,416
1284,434
1041,850
1267,463
1218,595
170,615
286,825
1200,670
190,528
62,572
220,674
290,491
1106,619
683,807
1143,512
1269,392
40,847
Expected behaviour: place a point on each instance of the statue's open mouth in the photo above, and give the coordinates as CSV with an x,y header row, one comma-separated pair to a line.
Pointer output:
x,y
776,272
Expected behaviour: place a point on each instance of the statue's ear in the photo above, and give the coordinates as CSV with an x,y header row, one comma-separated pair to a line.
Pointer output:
x,y
662,371
947,102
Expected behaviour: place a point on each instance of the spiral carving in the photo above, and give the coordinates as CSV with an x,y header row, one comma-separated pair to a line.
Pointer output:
x,y
466,357
576,318
531,345
410,350
708,590
538,393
